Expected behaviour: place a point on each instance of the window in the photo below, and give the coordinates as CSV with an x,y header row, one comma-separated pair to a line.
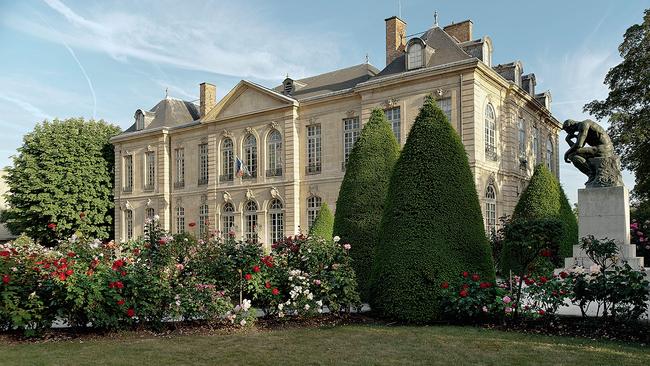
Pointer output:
x,y
204,219
228,218
351,132
180,220
415,59
549,154
250,217
313,149
128,173
276,220
490,133
139,120
535,145
150,213
150,174
179,179
203,164
490,209
250,155
522,138
227,160
445,105
274,153
129,224
394,118
313,207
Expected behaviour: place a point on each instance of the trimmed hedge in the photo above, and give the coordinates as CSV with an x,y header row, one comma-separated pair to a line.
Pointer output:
x,y
432,227
323,224
358,208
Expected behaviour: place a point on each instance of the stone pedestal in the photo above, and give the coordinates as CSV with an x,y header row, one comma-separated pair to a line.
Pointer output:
x,y
605,213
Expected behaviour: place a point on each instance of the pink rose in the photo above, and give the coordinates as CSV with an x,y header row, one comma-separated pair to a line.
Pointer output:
x,y
507,300
347,246
508,310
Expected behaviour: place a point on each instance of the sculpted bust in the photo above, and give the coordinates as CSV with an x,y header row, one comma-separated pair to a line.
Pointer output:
x,y
592,153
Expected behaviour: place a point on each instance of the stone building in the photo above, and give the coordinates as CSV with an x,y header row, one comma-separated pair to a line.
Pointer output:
x,y
181,161
5,234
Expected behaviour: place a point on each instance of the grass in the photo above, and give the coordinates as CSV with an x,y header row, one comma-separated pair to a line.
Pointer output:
x,y
340,345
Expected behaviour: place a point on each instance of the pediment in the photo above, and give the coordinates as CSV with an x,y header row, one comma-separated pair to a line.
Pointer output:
x,y
248,98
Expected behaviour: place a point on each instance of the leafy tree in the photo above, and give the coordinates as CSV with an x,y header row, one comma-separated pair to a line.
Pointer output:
x,y
359,209
627,106
432,226
323,224
61,180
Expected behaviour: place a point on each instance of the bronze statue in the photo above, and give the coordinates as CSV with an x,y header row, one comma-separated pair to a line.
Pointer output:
x,y
597,160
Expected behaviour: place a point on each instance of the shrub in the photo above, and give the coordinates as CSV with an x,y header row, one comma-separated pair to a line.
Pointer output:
x,y
432,227
359,209
323,225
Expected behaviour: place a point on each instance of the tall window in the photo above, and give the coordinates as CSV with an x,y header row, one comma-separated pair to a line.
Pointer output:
x,y
179,179
393,116
227,160
549,154
351,132
490,133
129,224
535,145
490,209
250,155
150,213
203,164
274,154
150,173
128,173
415,59
313,149
445,105
250,218
228,218
313,207
204,219
522,138
180,220
276,220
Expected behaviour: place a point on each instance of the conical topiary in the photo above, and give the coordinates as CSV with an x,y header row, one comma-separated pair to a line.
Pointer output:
x,y
363,192
432,226
323,223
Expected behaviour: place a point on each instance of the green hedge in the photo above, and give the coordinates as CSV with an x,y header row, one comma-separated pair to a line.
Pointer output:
x,y
358,208
432,227
323,224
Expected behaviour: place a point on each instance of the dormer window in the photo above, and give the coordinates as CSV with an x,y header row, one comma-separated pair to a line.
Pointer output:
x,y
415,54
139,120
288,86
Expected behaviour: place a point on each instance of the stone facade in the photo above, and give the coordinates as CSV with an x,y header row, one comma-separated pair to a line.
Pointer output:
x,y
504,129
5,235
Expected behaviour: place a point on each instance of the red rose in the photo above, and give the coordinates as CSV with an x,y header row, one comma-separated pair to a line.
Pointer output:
x,y
71,254
136,251
123,273
464,286
111,285
445,285
4,253
276,291
248,276
51,226
130,313
484,285
475,277
267,284
69,272
545,253
554,293
6,279
564,274
120,302
463,293
268,260
541,312
465,274
119,284
543,279
256,269
192,224
162,242
62,276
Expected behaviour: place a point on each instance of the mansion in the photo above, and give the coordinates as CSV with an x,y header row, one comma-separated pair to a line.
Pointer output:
x,y
262,161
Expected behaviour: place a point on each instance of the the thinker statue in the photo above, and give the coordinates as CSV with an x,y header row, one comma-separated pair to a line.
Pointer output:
x,y
597,160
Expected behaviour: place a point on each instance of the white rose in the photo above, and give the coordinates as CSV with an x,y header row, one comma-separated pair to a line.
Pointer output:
x,y
242,322
336,239
306,306
310,296
280,306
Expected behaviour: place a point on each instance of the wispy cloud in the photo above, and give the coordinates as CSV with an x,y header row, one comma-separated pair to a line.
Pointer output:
x,y
26,106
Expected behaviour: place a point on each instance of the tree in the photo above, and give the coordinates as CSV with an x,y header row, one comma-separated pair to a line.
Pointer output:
x,y
323,223
432,226
627,106
359,209
62,179
544,198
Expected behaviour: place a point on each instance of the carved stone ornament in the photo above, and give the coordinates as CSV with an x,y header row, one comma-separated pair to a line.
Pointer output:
x,y
390,103
312,120
179,200
204,198
351,113
492,180
204,140
249,194
313,190
226,133
439,92
274,192
150,148
274,125
248,129
128,206
227,197
149,202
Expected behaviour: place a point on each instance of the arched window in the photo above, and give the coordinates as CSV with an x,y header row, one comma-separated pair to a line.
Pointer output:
x,y
150,213
522,138
276,220
415,55
227,160
490,133
535,146
250,220
313,207
204,219
250,155
228,218
549,154
274,153
128,220
490,209
180,220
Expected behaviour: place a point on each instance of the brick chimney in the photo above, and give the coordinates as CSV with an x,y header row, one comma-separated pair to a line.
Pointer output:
x,y
395,38
207,98
461,31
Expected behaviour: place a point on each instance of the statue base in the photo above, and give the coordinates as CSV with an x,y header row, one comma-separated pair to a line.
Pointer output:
x,y
605,172
605,213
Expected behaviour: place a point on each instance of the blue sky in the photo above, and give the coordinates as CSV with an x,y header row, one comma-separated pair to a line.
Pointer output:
x,y
105,59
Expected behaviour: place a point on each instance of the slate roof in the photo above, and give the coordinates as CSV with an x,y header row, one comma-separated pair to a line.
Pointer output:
x,y
169,112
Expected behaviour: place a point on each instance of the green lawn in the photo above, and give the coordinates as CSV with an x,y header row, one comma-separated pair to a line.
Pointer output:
x,y
340,345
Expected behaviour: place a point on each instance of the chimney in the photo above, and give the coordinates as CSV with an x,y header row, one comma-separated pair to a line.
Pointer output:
x,y
461,31
395,38
207,98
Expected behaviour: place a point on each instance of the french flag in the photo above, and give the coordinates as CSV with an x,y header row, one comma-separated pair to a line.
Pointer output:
x,y
240,168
